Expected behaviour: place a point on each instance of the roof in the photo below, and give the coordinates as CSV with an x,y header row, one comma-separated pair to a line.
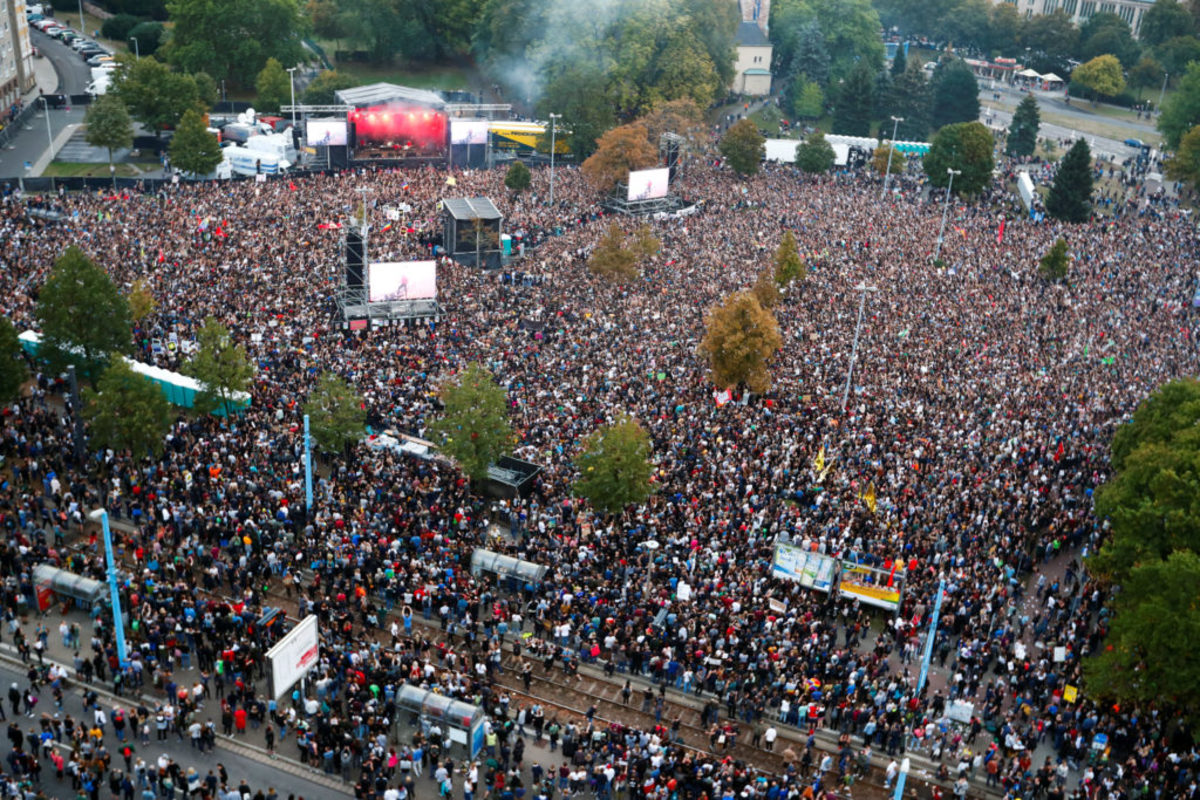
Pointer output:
x,y
472,208
379,93
757,71
750,35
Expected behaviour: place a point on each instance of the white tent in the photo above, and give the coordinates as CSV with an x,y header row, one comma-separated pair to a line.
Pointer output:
x,y
1029,73
1050,77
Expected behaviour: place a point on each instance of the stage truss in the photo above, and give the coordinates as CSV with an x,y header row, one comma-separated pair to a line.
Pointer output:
x,y
618,204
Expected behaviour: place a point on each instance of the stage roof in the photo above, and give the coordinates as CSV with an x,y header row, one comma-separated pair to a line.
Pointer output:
x,y
382,93
467,208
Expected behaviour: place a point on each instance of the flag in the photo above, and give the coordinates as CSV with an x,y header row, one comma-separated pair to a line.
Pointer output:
x,y
328,225
868,496
1000,235
896,563
161,256
292,186
1058,454
386,228
722,397
819,461
451,180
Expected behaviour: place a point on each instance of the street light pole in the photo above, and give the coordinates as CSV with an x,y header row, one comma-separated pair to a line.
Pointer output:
x,y
49,133
1162,92
82,27
101,516
292,77
307,467
945,207
887,173
552,118
862,306
137,48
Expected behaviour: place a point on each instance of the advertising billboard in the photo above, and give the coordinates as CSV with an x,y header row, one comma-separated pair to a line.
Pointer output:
x,y
876,587
468,131
389,281
325,133
294,655
811,570
648,184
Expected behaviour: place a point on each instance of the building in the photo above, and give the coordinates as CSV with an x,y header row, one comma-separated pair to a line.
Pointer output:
x,y
1132,11
752,70
16,54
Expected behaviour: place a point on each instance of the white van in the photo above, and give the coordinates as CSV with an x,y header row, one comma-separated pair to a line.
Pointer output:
x,y
244,161
98,86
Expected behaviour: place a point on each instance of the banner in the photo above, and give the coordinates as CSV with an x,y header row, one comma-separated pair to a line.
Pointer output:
x,y
811,570
875,587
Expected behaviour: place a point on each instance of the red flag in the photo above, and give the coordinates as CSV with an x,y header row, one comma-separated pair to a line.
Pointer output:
x,y
1000,235
292,186
892,574
161,257
1059,452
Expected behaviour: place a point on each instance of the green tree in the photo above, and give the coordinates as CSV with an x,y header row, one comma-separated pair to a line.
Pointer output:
x,y
13,371
1185,164
1004,27
337,420
273,85
232,39
1101,75
683,70
193,149
1108,33
149,37
855,102
883,154
740,340
611,259
789,266
1052,39
615,467
154,95
1177,52
899,62
141,301
815,154
619,152
474,428
1181,111
909,98
1070,197
743,147
118,26
221,366
321,89
1054,265
1165,20
766,290
811,56
580,92
518,177
955,93
970,24
964,146
127,411
1146,73
1023,131
84,318
109,126
805,98
206,89
1147,660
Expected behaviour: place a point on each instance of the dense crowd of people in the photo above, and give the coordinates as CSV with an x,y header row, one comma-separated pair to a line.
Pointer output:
x,y
980,409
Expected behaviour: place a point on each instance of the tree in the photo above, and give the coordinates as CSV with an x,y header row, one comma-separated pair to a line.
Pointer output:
x,y
684,70
855,101
743,147
900,61
1185,164
955,94
221,366
321,89
518,177
815,154
611,259
614,466
1181,111
273,85
1108,33
805,98
149,37
1146,73
1166,19
619,152
909,98
1070,197
141,301
1147,660
118,26
1053,40
1004,27
1101,75
1053,266
1177,52
193,149
337,419
109,126
232,39
127,411
740,340
964,146
84,318
154,95
881,157
474,428
766,290
206,89
580,92
13,371
681,117
789,266
811,56
1023,131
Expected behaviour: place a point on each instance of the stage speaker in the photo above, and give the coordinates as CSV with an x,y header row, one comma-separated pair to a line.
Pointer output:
x,y
353,253
673,159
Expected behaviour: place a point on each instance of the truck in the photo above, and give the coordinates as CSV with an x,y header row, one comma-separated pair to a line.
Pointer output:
x,y
99,86
244,161
276,144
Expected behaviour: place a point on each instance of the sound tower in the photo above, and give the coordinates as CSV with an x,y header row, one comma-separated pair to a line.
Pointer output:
x,y
673,159
353,254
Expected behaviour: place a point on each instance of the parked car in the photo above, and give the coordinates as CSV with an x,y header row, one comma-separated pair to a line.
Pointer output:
x,y
32,18
81,42
100,60
89,53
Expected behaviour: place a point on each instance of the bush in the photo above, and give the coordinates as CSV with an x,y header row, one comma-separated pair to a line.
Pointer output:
x,y
117,28
154,9
149,37
65,5
1078,91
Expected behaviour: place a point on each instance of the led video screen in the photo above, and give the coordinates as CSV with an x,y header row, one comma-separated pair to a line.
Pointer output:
x,y
402,280
325,133
468,131
648,184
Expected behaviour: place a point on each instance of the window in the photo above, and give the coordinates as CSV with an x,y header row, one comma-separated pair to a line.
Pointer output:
x,y
1069,7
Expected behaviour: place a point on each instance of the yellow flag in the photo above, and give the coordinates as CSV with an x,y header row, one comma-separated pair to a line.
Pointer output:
x,y
868,496
819,461
451,180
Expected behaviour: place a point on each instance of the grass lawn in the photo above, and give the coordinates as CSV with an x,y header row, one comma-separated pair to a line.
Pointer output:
x,y
69,169
767,118
440,76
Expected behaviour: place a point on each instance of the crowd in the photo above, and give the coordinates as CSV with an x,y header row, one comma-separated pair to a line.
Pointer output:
x,y
980,408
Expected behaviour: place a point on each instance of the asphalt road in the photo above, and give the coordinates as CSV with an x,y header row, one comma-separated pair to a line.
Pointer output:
x,y
258,775
73,73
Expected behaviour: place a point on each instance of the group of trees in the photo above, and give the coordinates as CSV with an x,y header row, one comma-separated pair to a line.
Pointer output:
x,y
921,105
